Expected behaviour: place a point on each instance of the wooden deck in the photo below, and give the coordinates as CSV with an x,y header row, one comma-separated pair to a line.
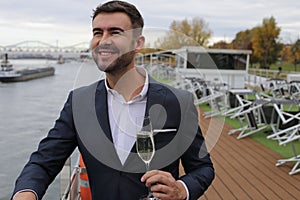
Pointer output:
x,y
244,168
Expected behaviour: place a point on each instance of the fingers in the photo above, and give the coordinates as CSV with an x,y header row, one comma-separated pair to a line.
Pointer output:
x,y
174,192
163,185
159,190
157,176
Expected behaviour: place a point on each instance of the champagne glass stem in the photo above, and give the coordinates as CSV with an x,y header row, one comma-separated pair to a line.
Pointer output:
x,y
149,187
147,166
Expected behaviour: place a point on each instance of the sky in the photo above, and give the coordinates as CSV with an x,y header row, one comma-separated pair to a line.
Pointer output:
x,y
68,22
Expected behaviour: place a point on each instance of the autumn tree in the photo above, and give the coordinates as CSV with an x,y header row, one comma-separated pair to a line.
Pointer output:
x,y
285,53
295,54
243,40
185,33
265,45
221,45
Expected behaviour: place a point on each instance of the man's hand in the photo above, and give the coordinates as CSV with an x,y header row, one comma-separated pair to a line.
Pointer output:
x,y
164,186
24,196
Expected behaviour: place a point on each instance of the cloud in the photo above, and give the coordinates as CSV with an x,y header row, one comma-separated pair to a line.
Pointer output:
x,y
69,20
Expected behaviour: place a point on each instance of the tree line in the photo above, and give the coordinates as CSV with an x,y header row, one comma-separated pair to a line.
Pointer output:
x,y
263,40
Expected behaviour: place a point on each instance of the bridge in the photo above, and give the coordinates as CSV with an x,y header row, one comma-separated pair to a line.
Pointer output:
x,y
39,49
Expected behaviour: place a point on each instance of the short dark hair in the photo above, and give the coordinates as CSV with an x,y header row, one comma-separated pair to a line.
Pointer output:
x,y
135,16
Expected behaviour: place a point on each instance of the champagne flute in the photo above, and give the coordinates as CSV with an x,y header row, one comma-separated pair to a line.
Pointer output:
x,y
145,146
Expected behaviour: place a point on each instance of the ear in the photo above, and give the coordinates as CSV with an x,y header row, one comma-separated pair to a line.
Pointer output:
x,y
139,43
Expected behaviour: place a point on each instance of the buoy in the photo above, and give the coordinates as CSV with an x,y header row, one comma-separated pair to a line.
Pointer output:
x,y
85,190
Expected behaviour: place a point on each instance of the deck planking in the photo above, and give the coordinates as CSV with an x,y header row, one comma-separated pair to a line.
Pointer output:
x,y
244,168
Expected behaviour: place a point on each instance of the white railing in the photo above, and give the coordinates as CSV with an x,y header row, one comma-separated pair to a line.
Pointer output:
x,y
70,182
267,73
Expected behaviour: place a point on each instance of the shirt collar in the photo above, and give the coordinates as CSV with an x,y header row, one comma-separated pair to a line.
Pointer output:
x,y
141,95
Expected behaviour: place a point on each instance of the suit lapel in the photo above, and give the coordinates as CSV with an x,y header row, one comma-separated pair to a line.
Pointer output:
x,y
102,109
102,115
155,103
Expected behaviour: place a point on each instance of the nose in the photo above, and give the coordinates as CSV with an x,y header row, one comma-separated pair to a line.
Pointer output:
x,y
105,39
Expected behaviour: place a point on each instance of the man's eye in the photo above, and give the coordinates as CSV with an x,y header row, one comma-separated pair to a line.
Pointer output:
x,y
97,33
116,33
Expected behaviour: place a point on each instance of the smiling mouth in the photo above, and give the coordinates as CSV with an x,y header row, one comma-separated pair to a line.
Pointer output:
x,y
106,53
105,50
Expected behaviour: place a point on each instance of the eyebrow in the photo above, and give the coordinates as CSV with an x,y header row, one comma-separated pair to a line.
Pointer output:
x,y
109,29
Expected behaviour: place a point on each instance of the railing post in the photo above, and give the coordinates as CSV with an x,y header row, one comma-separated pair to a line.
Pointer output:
x,y
65,176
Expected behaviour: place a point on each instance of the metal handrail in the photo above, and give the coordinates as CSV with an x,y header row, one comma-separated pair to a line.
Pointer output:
x,y
71,191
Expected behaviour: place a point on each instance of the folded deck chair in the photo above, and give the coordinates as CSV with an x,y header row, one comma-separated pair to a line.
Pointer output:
x,y
253,125
253,116
286,121
214,96
287,130
237,101
294,89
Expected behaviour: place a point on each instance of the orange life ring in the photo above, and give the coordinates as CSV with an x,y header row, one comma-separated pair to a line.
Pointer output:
x,y
85,191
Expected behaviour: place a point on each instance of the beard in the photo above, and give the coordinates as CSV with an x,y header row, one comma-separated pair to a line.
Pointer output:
x,y
113,63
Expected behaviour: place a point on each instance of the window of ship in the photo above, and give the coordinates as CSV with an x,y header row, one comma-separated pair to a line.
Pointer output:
x,y
220,61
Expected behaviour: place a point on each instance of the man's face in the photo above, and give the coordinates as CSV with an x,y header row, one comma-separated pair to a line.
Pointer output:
x,y
113,44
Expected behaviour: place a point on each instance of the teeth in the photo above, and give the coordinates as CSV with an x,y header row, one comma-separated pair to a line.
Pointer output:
x,y
106,53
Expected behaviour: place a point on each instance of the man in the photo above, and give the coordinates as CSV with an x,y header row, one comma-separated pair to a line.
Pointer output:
x,y
99,120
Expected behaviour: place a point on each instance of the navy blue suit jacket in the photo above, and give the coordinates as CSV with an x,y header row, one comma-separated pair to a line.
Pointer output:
x,y
108,178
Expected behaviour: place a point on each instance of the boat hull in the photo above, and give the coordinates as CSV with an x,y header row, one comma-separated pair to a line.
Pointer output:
x,y
29,74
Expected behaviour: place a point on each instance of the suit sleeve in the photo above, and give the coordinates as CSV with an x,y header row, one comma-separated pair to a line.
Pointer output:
x,y
196,160
45,163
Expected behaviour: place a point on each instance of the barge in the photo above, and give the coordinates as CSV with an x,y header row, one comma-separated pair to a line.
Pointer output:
x,y
9,74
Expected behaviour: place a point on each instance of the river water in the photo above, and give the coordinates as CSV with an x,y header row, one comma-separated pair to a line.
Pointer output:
x,y
27,112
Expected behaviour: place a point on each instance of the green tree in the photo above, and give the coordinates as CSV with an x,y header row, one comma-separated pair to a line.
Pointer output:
x,y
265,45
295,54
185,33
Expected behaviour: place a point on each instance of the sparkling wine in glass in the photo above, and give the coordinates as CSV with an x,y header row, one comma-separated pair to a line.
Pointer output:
x,y
145,146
